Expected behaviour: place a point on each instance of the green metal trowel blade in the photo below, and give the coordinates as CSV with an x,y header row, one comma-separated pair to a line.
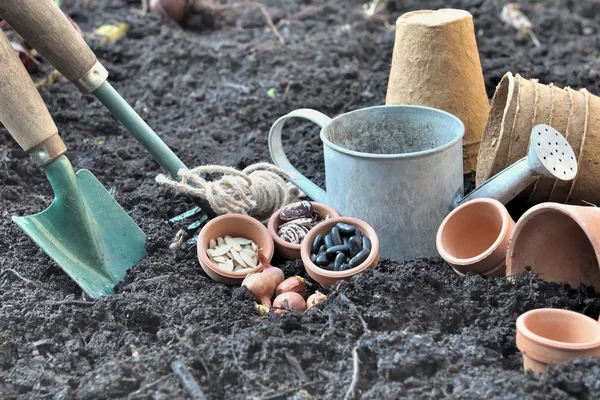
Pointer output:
x,y
85,231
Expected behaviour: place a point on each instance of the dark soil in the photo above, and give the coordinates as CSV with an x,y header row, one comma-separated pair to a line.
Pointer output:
x,y
418,329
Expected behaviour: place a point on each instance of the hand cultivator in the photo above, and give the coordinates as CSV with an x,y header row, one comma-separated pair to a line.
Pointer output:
x,y
394,174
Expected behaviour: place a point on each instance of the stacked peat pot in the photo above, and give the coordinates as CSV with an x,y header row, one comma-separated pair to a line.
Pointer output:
x,y
517,106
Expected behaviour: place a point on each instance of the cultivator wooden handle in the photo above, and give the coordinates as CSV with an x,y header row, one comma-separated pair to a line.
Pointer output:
x,y
22,110
45,27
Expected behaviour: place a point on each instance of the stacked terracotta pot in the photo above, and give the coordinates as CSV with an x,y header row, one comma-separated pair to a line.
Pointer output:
x,y
517,106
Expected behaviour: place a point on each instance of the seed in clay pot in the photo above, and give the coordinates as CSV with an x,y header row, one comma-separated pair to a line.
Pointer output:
x,y
366,243
345,229
336,236
329,241
318,242
322,259
322,249
339,260
359,258
338,249
301,210
344,267
292,232
355,245
227,257
313,258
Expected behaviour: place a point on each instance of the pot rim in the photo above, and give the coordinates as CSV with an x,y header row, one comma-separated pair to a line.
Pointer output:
x,y
555,344
506,219
568,210
204,259
416,154
273,222
315,269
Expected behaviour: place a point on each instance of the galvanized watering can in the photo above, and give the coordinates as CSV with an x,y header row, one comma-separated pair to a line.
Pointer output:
x,y
399,168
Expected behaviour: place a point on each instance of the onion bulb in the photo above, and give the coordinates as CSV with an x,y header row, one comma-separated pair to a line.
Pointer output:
x,y
173,9
293,284
261,287
291,300
315,299
275,274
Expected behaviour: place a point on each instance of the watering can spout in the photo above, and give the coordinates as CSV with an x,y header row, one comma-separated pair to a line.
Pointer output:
x,y
549,156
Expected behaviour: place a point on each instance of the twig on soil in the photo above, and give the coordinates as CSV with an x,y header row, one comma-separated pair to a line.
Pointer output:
x,y
22,278
262,8
293,361
132,395
351,393
353,308
74,303
184,374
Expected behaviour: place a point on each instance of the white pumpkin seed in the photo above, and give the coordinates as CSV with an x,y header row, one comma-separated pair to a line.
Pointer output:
x,y
238,258
220,259
219,251
220,241
250,252
242,241
248,260
254,246
238,268
213,244
233,243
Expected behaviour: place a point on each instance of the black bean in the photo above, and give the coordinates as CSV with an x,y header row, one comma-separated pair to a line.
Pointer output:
x,y
336,236
339,260
346,239
346,229
329,241
313,258
331,266
366,243
322,259
322,248
355,245
338,249
318,242
359,258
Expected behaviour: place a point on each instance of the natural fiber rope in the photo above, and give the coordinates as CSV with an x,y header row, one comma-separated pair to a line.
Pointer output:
x,y
259,190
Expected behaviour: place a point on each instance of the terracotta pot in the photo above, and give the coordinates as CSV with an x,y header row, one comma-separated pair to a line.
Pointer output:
x,y
234,225
558,242
289,250
559,120
436,63
474,237
550,336
519,141
328,278
493,153
574,135
586,186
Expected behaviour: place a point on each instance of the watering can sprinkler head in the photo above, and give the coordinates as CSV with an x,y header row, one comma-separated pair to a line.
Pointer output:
x,y
549,156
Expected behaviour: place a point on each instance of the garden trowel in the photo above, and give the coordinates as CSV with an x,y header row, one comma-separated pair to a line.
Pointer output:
x,y
84,230
46,29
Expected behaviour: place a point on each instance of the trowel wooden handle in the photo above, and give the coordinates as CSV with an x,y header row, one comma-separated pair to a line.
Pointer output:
x,y
44,27
22,110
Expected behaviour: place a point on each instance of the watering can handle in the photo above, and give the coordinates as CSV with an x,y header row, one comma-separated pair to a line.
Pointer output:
x,y
280,159
46,28
22,110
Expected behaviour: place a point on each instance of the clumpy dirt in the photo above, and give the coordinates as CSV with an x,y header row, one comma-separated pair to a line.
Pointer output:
x,y
416,329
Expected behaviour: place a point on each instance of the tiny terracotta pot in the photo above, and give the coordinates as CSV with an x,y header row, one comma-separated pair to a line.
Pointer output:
x,y
474,237
288,250
234,225
328,278
549,336
560,243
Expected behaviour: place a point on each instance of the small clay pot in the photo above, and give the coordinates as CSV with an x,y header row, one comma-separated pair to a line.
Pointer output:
x,y
328,278
549,336
560,243
289,250
234,225
474,237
